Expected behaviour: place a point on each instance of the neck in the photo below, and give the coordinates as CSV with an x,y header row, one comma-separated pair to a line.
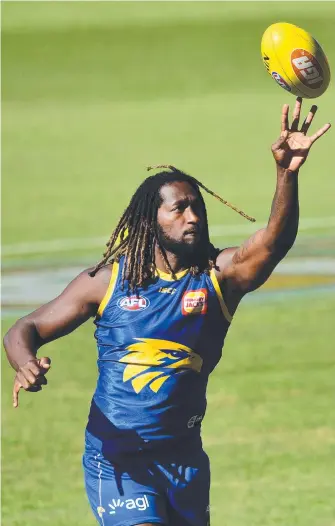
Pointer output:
x,y
176,262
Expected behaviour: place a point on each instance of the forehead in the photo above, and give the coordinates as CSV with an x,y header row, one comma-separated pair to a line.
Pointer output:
x,y
177,191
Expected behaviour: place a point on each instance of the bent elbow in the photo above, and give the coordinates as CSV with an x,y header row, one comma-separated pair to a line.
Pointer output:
x,y
5,340
282,248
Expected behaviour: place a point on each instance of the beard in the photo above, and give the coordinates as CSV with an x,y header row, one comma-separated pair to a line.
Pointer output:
x,y
181,248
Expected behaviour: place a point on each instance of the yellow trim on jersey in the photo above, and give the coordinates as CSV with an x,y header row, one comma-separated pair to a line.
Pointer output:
x,y
168,277
216,285
110,290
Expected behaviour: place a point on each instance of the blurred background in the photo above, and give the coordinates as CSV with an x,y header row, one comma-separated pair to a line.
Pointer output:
x,y
92,93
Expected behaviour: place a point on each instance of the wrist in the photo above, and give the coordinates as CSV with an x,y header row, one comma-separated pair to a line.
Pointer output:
x,y
282,172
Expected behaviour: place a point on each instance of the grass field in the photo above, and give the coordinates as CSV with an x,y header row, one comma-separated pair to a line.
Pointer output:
x,y
269,430
91,94
89,104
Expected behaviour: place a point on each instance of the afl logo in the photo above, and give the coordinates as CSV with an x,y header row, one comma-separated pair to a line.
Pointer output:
x,y
133,303
307,68
279,79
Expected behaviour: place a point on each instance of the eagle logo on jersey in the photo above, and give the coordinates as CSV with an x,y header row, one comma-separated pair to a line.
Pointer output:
x,y
152,362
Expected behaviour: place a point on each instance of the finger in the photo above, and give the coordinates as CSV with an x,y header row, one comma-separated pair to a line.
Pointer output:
x,y
34,389
33,366
22,380
320,132
44,362
29,376
16,389
296,114
41,380
308,121
284,117
279,142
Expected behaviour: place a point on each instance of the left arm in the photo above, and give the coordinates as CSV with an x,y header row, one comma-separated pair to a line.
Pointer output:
x,y
245,268
253,262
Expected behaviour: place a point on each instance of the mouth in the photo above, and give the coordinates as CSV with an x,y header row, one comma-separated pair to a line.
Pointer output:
x,y
192,237
192,233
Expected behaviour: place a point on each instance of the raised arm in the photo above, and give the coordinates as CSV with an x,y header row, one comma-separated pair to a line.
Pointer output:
x,y
77,303
245,268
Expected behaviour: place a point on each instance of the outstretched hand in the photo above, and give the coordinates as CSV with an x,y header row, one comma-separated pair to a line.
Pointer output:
x,y
292,148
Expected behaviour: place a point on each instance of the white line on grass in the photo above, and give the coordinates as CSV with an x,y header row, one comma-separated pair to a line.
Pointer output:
x,y
66,244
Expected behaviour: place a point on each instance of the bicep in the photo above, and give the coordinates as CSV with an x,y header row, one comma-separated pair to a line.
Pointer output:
x,y
75,305
247,267
58,318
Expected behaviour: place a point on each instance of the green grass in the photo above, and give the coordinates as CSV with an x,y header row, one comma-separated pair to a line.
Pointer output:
x,y
99,92
269,429
93,92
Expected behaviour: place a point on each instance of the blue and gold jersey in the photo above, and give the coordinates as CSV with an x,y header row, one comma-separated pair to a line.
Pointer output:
x,y
156,350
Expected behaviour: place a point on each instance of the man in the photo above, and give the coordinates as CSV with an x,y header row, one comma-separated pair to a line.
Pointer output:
x,y
163,299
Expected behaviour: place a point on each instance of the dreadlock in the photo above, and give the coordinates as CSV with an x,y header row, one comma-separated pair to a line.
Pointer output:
x,y
137,233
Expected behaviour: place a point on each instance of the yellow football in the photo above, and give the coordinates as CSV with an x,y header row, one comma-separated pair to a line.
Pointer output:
x,y
295,60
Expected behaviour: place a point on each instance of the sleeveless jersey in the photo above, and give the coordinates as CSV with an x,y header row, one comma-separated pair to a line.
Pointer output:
x,y
156,349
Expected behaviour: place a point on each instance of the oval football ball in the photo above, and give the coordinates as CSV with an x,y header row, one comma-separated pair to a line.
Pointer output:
x,y
295,60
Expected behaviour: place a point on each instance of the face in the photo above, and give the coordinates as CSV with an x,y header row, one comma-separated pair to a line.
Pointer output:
x,y
181,218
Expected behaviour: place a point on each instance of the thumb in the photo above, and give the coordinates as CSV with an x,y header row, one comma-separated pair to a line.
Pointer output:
x,y
280,141
44,362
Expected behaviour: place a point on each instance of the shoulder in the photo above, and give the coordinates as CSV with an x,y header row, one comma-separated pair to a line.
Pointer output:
x,y
92,288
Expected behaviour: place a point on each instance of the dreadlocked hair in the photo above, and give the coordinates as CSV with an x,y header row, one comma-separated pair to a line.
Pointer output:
x,y
137,233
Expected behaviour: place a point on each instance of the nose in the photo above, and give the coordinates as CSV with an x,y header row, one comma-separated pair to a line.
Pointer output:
x,y
191,216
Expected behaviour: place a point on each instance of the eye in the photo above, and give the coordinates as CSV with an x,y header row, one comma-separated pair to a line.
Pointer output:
x,y
175,354
179,208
